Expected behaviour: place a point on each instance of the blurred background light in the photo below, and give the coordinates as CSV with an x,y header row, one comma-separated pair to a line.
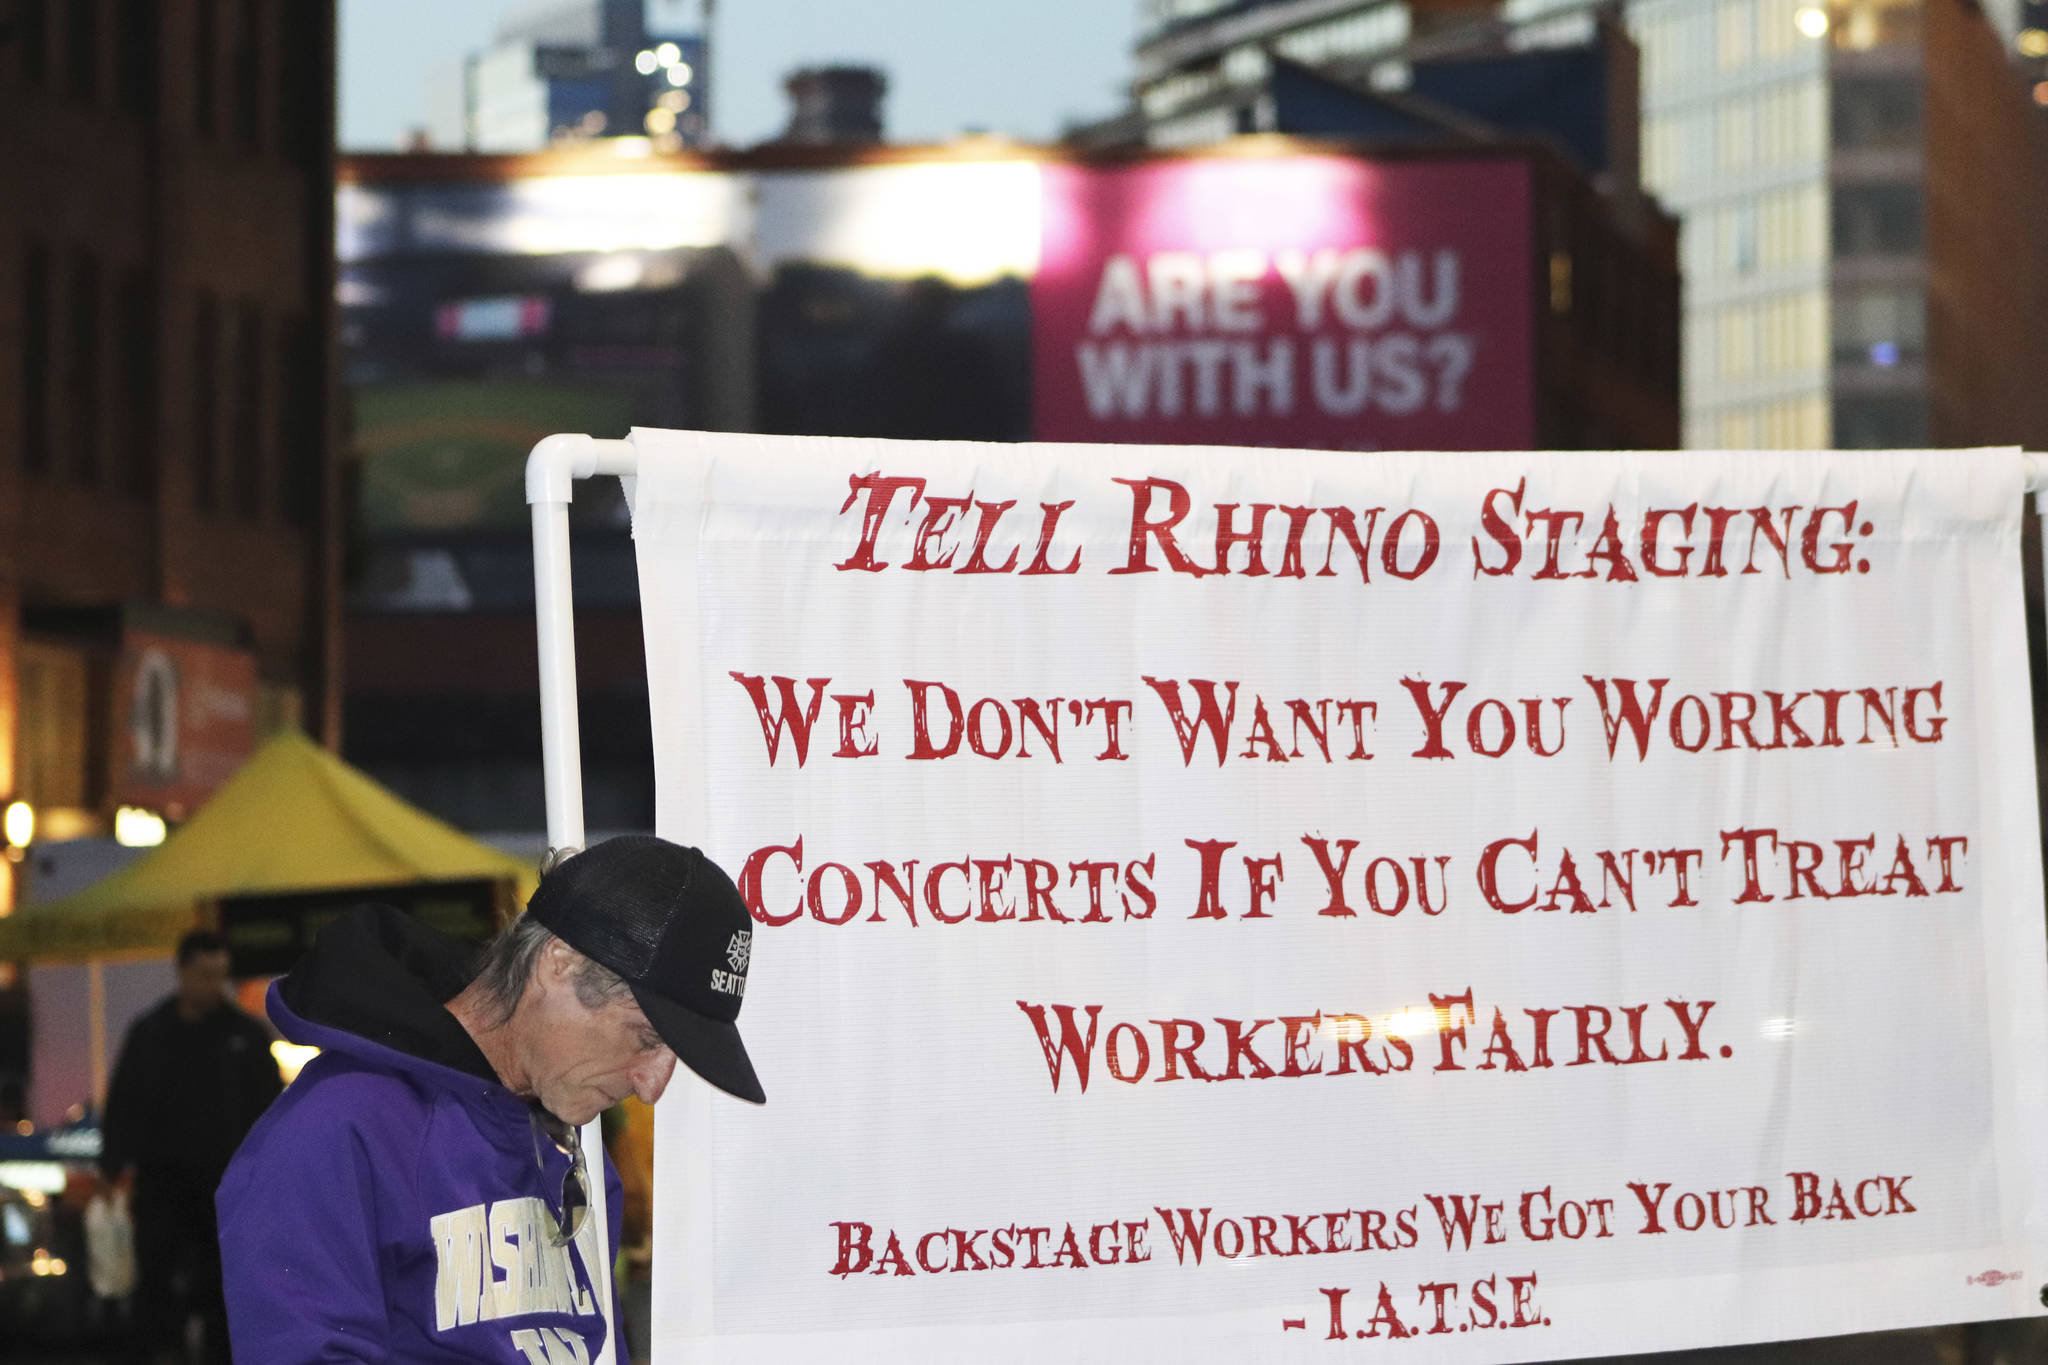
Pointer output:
x,y
292,1058
138,828
42,1177
19,824
1412,1022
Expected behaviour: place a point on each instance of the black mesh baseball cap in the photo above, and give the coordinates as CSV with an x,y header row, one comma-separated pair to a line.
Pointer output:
x,y
671,923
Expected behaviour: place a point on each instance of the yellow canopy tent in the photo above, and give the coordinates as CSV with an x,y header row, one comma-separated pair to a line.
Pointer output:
x,y
294,818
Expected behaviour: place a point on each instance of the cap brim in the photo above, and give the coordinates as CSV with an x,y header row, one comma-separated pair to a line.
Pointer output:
x,y
709,1047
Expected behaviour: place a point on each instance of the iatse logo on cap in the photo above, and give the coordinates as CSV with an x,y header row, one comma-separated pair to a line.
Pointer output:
x,y
737,952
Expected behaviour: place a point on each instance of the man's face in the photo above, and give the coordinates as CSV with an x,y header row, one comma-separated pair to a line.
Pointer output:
x,y
581,1061
201,980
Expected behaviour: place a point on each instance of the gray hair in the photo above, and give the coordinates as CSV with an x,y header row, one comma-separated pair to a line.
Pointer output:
x,y
506,968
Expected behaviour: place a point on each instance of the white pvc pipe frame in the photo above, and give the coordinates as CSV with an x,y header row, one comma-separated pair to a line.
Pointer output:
x,y
551,473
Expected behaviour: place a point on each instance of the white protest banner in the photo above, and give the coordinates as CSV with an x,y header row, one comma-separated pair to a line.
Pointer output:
x,y
1225,905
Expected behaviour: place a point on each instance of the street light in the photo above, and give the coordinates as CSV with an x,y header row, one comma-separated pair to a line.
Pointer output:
x,y
19,824
138,828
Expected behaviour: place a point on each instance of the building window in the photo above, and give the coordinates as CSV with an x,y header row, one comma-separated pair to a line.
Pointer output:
x,y
1179,90
1792,226
1881,326
1880,422
138,36
1777,27
1738,342
1679,147
248,419
1194,130
206,404
1738,429
1877,220
1793,332
82,389
82,47
301,68
54,722
1795,424
135,407
1246,64
1737,239
1352,35
1677,40
205,72
1860,25
1737,134
32,29
1876,112
1792,123
248,74
1735,33
35,359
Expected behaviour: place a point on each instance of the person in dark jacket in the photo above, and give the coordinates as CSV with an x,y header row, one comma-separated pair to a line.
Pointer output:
x,y
420,1193
193,1076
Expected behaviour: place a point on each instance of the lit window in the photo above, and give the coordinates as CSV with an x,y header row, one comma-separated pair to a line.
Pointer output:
x,y
1738,341
1737,26
1738,429
1737,134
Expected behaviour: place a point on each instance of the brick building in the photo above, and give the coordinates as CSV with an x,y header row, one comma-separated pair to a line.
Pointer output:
x,y
169,499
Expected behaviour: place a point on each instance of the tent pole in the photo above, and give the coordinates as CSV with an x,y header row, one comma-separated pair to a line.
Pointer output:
x,y
96,1027
551,471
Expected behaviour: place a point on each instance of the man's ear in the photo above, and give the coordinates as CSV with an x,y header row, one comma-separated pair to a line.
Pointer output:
x,y
557,960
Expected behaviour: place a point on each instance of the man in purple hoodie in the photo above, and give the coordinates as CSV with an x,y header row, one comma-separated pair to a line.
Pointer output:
x,y
418,1194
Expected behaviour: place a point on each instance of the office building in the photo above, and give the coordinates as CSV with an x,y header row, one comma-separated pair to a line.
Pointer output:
x,y
1863,187
572,70
1861,181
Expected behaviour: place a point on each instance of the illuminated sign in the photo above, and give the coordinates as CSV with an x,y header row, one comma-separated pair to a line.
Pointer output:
x,y
1312,301
187,720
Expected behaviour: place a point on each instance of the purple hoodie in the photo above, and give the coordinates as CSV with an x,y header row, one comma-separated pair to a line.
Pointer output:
x,y
398,1203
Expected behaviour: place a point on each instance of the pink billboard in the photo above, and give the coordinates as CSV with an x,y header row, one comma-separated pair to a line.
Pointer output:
x,y
1311,301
